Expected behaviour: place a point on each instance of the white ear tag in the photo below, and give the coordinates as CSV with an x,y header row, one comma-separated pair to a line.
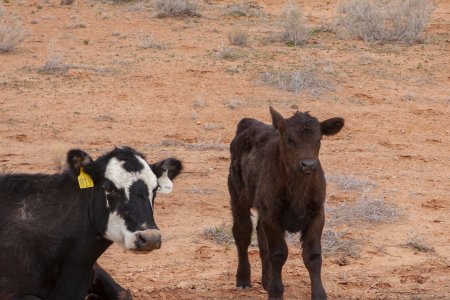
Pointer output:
x,y
165,184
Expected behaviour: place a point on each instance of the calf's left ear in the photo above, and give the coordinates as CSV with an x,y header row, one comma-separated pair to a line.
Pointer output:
x,y
76,159
331,126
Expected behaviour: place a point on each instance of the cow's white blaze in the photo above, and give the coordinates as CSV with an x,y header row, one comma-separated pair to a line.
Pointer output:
x,y
116,229
124,179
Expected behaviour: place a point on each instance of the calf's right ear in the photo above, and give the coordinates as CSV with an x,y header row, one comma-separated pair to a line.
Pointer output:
x,y
172,165
278,121
77,159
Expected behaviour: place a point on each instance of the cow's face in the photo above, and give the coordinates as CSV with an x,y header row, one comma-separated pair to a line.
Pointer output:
x,y
129,186
300,137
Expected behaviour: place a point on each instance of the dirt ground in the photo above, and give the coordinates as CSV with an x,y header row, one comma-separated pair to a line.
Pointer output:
x,y
184,100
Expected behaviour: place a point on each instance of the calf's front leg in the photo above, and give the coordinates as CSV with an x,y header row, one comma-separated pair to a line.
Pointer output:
x,y
277,256
312,255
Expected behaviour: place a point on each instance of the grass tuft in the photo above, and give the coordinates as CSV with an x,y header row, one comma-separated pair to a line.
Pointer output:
x,y
177,8
12,31
417,243
244,8
297,81
238,37
366,210
220,235
295,31
378,21
350,183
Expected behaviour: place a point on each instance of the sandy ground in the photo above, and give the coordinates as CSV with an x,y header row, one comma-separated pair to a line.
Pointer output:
x,y
185,101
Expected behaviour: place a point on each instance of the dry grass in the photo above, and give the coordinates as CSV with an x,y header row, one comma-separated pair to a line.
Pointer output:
x,y
55,66
334,245
238,37
379,21
229,53
235,103
177,8
373,210
307,80
207,145
295,31
244,9
66,2
201,191
417,243
221,235
12,31
350,183
149,42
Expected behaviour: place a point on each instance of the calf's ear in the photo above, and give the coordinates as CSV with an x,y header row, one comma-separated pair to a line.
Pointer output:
x,y
332,126
277,120
172,165
77,159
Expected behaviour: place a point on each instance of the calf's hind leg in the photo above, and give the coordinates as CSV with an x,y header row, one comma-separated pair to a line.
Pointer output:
x,y
105,287
242,233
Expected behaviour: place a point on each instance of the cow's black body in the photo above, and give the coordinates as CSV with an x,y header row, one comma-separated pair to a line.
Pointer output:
x,y
52,232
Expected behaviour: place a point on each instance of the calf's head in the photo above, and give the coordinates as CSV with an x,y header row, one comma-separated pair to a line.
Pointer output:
x,y
300,137
126,185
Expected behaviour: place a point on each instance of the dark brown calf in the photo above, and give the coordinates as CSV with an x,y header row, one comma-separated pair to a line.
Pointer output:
x,y
277,170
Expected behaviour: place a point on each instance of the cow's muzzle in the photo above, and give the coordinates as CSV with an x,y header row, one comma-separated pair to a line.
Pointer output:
x,y
148,240
307,166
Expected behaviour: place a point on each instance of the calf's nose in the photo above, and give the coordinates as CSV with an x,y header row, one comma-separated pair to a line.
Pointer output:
x,y
308,166
148,240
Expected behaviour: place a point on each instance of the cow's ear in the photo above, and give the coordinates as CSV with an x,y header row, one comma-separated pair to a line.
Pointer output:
x,y
331,126
277,120
76,159
172,165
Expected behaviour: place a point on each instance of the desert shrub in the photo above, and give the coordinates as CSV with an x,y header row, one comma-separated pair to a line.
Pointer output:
x,y
418,243
379,21
244,9
220,235
334,245
229,53
12,31
348,183
294,26
66,2
297,81
367,209
238,37
177,8
149,41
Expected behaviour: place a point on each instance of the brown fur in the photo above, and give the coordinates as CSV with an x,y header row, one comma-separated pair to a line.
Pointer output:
x,y
276,169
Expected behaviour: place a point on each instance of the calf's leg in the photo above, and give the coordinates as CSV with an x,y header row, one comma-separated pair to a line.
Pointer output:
x,y
242,233
277,252
312,255
262,243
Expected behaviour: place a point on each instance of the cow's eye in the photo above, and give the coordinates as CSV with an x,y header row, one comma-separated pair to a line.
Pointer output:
x,y
290,142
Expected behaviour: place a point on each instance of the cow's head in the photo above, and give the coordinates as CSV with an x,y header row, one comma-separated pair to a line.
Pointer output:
x,y
127,184
300,137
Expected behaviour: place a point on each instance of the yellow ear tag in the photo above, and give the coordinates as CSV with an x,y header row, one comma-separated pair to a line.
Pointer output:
x,y
84,180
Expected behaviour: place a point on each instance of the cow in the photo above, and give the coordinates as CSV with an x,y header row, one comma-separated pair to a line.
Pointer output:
x,y
54,227
276,169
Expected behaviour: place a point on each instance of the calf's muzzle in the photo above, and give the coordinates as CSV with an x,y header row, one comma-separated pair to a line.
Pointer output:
x,y
307,166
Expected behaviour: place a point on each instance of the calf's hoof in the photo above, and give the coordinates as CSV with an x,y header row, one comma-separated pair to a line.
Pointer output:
x,y
243,286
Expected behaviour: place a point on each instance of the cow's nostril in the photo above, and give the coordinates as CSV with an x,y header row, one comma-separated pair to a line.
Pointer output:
x,y
148,240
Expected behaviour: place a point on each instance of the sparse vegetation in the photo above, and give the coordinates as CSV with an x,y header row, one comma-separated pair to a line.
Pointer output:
x,y
149,41
235,103
229,53
297,81
220,234
295,32
378,21
201,191
55,65
348,183
238,37
12,31
373,210
417,243
334,245
244,8
66,2
177,8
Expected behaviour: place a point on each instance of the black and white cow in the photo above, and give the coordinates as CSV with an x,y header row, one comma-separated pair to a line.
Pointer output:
x,y
54,227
